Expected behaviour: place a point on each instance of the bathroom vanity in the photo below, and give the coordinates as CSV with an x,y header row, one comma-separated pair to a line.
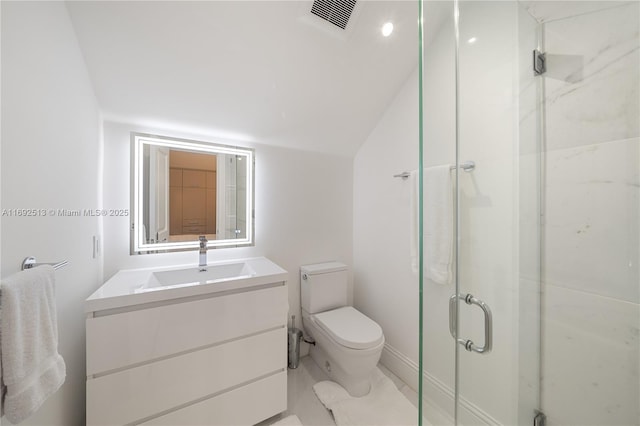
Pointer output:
x,y
181,346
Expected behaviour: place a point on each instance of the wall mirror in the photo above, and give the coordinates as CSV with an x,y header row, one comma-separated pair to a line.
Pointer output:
x,y
182,189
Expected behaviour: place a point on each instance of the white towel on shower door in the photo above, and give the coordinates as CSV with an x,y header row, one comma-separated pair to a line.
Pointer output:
x,y
438,224
32,368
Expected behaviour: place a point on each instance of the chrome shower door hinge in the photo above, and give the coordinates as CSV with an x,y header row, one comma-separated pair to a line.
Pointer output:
x,y
540,419
539,62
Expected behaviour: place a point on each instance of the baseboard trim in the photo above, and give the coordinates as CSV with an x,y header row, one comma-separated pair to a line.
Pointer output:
x,y
436,394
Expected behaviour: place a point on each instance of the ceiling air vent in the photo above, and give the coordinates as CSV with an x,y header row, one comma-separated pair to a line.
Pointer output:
x,y
337,12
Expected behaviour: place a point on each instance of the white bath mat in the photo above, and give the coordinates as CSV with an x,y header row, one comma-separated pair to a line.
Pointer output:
x,y
292,420
384,405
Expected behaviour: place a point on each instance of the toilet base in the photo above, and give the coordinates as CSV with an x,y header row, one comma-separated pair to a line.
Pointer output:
x,y
356,386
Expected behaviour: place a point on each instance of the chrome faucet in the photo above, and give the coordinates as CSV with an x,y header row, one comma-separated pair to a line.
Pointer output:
x,y
203,252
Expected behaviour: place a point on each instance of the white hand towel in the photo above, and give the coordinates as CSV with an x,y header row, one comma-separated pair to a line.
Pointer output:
x,y
438,224
32,368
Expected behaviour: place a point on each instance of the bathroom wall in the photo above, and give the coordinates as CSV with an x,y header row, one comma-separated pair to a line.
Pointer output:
x,y
50,160
385,289
591,311
303,208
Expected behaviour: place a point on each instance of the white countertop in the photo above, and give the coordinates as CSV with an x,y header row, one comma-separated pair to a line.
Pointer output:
x,y
130,287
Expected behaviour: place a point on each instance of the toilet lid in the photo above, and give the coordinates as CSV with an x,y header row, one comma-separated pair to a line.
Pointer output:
x,y
350,328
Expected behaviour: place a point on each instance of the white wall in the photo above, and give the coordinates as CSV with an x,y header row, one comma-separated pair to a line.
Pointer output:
x,y
385,289
50,157
303,208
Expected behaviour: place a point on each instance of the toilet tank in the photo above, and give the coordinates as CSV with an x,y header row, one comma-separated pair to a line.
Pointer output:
x,y
323,286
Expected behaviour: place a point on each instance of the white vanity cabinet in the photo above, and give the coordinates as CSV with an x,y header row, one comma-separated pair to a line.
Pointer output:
x,y
214,358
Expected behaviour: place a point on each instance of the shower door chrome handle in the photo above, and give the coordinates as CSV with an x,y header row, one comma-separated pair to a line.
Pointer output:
x,y
488,323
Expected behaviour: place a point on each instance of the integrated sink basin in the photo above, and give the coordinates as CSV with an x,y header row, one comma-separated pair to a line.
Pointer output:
x,y
140,286
162,280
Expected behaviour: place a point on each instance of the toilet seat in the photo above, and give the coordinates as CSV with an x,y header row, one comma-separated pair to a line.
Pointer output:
x,y
350,328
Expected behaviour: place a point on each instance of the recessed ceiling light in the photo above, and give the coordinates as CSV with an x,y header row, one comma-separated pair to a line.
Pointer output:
x,y
387,29
472,40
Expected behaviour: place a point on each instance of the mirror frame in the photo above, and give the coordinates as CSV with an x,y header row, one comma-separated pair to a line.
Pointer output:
x,y
138,243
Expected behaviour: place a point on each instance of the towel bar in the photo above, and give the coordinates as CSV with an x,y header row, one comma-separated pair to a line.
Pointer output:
x,y
403,175
467,166
30,262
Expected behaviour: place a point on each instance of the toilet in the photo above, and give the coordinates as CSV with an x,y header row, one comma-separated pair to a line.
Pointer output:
x,y
348,343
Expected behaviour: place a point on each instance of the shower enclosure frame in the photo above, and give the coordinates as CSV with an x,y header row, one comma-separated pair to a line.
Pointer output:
x,y
526,405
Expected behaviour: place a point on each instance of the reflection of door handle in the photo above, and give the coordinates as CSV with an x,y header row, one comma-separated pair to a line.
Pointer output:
x,y
488,323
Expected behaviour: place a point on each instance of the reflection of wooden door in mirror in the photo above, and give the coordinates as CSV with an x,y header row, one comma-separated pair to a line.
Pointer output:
x,y
193,189
211,203
194,202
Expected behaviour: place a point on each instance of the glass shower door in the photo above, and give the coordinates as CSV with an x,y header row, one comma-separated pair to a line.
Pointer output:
x,y
480,123
497,215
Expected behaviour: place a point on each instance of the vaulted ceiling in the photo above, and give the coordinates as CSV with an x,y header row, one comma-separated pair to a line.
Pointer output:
x,y
262,71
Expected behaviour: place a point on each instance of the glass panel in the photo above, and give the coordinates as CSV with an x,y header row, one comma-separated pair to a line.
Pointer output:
x,y
438,135
498,210
529,204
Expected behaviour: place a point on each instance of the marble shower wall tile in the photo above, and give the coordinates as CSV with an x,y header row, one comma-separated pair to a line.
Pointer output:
x,y
592,213
592,85
592,219
545,10
590,358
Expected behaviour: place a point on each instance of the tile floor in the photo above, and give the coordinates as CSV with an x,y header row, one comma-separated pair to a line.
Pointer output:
x,y
302,401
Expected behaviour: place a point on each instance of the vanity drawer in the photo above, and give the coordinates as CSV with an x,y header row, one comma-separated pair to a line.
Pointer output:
x,y
129,338
134,394
246,405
